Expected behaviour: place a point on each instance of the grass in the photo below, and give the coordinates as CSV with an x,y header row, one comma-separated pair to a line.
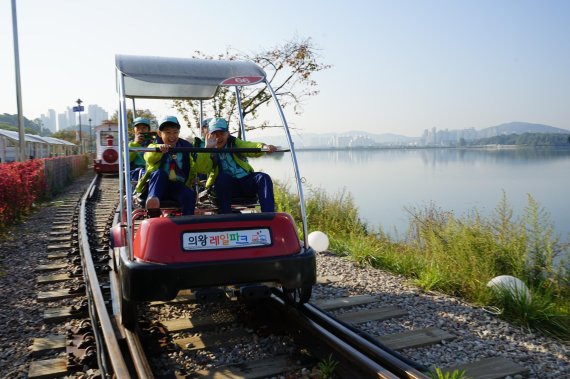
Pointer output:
x,y
457,255
326,368
439,374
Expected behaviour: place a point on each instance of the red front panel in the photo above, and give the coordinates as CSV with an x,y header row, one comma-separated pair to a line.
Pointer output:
x,y
161,240
100,167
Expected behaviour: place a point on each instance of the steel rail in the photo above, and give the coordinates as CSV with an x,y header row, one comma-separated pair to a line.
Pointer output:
x,y
365,364
114,351
142,367
138,356
386,358
376,342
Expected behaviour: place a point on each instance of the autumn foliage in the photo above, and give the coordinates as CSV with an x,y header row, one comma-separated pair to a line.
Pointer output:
x,y
22,184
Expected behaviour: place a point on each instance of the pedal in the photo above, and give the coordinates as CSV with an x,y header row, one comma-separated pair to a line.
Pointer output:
x,y
254,292
210,295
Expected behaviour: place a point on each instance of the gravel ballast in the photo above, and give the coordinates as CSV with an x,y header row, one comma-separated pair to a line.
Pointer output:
x,y
479,334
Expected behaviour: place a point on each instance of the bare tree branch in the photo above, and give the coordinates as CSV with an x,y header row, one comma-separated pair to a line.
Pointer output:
x,y
289,69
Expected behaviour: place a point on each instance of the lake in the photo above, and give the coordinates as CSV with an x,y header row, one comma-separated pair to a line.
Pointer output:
x,y
384,182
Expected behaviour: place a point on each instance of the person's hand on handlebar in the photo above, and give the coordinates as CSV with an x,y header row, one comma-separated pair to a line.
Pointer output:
x,y
269,149
164,148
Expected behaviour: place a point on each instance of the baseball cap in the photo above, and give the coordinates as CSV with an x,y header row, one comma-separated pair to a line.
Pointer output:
x,y
168,121
141,120
205,122
216,124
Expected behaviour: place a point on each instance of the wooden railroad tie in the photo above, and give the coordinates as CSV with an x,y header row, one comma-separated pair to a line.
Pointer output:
x,y
49,368
415,338
182,324
490,368
52,267
348,301
269,367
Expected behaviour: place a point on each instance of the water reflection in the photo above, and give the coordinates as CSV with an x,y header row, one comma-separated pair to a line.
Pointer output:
x,y
434,156
384,182
496,156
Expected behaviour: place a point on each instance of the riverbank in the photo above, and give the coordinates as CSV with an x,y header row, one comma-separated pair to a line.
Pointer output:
x,y
459,256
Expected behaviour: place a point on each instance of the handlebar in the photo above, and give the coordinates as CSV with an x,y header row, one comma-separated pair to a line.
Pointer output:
x,y
207,150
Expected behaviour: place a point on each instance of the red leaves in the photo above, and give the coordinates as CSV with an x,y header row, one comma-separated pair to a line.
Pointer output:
x,y
21,184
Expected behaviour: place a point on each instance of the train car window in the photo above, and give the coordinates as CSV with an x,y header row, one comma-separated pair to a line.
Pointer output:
x,y
109,138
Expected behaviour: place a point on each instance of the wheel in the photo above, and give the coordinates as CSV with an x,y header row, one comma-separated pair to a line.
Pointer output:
x,y
128,313
297,296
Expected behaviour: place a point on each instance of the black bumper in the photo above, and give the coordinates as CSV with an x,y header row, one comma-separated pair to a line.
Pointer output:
x,y
143,281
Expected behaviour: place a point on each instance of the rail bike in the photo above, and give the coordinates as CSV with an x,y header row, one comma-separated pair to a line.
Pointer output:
x,y
245,254
106,148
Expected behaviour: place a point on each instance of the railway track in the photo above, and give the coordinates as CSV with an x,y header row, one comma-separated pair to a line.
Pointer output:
x,y
186,338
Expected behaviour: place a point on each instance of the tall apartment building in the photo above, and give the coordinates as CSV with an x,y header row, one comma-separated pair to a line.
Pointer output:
x,y
61,121
49,121
52,120
96,114
71,117
44,119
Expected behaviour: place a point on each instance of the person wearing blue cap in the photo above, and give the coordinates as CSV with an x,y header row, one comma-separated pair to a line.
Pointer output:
x,y
170,175
141,128
201,141
232,175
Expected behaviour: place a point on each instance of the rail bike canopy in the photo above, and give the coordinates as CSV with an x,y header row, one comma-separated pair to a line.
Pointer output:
x,y
183,78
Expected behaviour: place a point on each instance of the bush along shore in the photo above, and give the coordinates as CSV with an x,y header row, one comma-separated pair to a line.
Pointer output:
x,y
24,184
458,256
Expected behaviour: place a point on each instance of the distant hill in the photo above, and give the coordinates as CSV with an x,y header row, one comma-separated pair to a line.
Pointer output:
x,y
15,128
442,137
10,122
525,139
314,139
12,119
517,127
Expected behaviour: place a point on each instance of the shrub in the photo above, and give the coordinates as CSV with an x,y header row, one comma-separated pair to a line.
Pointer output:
x,y
460,255
21,185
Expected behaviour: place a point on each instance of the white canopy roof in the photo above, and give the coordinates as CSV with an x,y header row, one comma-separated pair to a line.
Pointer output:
x,y
182,78
16,136
57,141
34,138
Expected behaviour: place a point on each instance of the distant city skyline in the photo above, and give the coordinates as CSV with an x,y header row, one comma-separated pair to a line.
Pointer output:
x,y
60,121
430,137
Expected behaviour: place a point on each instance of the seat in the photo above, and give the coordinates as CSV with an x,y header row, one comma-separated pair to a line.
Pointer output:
x,y
206,201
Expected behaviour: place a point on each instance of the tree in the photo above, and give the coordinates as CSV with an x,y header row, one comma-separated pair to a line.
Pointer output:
x,y
140,113
66,135
289,68
43,131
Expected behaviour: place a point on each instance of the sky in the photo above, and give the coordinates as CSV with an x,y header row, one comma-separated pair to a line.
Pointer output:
x,y
397,66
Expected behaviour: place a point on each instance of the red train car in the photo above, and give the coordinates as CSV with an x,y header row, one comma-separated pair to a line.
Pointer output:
x,y
106,148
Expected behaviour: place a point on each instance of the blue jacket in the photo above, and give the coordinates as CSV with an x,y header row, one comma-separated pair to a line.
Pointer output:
x,y
190,167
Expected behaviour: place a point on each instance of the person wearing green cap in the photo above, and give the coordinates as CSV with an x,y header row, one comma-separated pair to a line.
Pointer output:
x,y
141,127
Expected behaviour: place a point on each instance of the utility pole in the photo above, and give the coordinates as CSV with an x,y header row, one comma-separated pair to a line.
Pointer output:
x,y
79,108
21,127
